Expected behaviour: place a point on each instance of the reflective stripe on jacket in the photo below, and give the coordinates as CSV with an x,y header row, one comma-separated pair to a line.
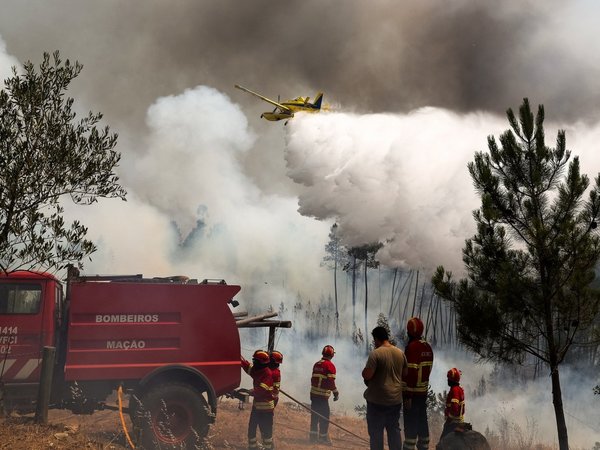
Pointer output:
x,y
322,382
419,356
455,405
262,380
276,373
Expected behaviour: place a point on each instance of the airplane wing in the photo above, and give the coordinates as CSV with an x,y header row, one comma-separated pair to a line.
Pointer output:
x,y
268,100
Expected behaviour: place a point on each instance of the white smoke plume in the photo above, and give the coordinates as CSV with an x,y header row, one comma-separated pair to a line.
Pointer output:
x,y
398,179
192,209
402,179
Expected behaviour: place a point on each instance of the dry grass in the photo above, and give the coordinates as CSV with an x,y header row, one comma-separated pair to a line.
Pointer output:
x,y
20,433
102,431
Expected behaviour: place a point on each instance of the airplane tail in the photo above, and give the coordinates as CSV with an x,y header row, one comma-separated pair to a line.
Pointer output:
x,y
318,100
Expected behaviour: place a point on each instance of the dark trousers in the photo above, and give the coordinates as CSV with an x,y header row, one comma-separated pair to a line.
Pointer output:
x,y
416,428
380,417
262,420
319,425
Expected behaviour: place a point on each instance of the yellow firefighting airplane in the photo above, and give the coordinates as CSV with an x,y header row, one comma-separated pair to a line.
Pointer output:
x,y
286,110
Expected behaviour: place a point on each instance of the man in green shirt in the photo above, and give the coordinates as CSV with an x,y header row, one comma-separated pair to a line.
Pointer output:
x,y
383,374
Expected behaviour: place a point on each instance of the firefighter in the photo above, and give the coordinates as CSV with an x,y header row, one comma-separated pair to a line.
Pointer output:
x,y
455,403
263,405
419,356
322,385
276,360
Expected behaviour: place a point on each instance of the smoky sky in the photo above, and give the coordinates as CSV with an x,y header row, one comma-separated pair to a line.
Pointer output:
x,y
376,56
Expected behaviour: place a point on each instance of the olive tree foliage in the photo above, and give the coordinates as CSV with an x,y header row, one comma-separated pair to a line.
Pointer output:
x,y
531,262
46,157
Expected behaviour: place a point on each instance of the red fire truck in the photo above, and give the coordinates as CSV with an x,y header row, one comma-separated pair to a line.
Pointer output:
x,y
171,343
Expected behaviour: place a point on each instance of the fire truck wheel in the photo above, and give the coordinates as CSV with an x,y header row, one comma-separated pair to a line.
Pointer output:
x,y
172,415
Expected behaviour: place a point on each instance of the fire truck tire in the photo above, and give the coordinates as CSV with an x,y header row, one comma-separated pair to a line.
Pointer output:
x,y
172,416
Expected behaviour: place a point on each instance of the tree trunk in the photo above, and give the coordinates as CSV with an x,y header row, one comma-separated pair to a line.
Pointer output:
x,y
415,297
337,315
561,424
353,294
366,304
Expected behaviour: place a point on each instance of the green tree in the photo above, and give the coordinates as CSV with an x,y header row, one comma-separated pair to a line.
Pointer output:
x,y
532,259
47,156
382,321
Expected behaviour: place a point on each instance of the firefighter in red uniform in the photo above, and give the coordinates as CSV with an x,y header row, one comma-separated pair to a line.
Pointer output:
x,y
419,356
322,385
263,405
276,360
455,403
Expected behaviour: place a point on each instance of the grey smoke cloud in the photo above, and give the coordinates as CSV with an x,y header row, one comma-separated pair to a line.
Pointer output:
x,y
6,61
375,56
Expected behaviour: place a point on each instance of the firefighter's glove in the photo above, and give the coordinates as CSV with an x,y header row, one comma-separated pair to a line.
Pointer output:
x,y
336,396
407,404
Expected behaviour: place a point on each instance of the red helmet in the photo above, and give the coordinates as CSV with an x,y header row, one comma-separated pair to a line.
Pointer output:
x,y
276,357
328,351
454,375
260,356
415,327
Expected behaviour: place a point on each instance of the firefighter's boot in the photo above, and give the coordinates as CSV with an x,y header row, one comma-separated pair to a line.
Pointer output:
x,y
324,440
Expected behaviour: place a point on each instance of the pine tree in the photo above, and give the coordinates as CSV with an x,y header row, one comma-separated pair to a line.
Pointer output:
x,y
366,255
334,258
382,321
532,259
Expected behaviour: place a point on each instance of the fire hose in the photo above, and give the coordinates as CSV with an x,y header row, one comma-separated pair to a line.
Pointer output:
x,y
120,396
281,391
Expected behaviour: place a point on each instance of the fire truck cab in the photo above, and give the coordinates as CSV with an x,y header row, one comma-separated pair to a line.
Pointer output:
x,y
171,343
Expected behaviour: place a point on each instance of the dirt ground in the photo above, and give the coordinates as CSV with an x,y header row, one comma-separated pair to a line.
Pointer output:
x,y
103,430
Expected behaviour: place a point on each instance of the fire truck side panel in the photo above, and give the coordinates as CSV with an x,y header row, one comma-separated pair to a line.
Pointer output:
x,y
125,330
27,314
